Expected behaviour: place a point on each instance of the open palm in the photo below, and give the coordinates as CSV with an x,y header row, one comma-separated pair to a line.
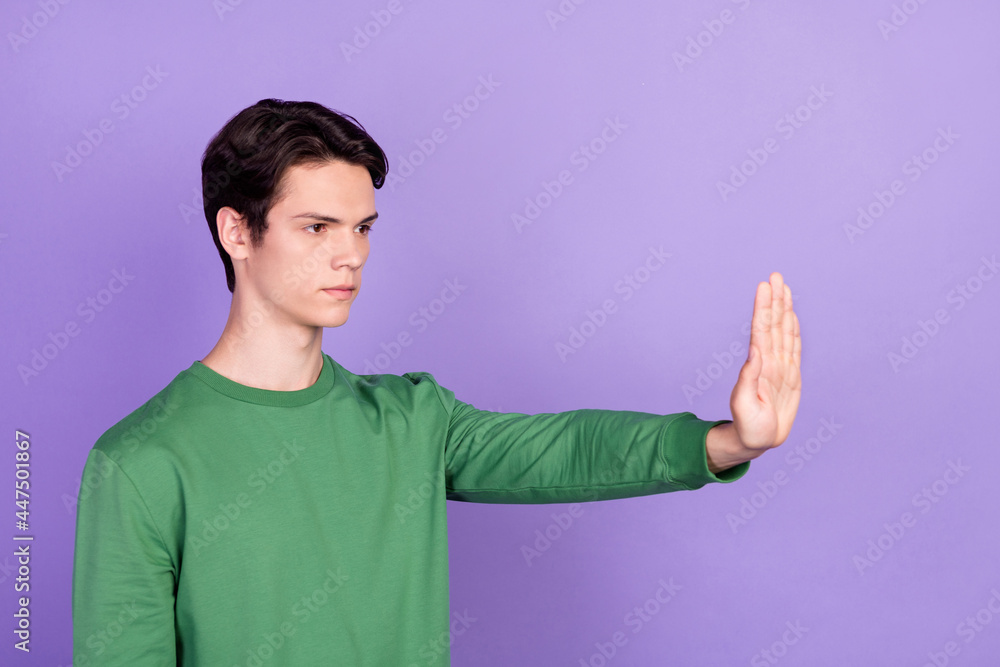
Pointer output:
x,y
766,396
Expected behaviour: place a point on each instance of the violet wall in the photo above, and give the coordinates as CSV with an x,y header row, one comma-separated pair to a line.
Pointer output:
x,y
543,154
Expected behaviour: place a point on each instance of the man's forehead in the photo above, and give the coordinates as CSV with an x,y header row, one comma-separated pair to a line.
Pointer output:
x,y
309,183
327,169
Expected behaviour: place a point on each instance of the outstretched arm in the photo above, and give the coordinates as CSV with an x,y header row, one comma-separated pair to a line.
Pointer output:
x,y
766,396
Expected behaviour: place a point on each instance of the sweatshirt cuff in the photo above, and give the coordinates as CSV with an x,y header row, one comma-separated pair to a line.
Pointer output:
x,y
685,458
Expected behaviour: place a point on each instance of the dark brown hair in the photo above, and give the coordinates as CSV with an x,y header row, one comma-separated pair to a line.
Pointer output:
x,y
244,163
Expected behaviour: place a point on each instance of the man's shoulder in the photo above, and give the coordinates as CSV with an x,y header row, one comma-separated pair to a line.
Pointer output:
x,y
157,420
405,387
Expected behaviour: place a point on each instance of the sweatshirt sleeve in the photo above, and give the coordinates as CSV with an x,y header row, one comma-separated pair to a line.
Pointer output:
x,y
123,576
573,456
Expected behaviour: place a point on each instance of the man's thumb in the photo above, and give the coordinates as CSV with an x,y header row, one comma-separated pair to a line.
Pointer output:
x,y
751,369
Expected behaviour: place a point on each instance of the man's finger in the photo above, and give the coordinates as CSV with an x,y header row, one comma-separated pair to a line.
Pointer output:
x,y
760,330
797,353
777,313
788,325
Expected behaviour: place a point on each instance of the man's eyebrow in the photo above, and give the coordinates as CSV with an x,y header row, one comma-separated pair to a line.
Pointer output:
x,y
330,219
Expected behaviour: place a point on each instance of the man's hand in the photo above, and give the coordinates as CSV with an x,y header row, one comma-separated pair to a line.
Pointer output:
x,y
766,396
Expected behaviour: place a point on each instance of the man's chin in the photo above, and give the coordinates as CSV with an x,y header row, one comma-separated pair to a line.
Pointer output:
x,y
333,322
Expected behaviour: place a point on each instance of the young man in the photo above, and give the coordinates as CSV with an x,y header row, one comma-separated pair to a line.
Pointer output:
x,y
270,507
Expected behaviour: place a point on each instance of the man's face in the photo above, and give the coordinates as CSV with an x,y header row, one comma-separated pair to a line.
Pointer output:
x,y
317,239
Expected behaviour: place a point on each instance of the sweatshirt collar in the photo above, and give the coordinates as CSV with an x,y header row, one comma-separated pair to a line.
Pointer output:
x,y
281,399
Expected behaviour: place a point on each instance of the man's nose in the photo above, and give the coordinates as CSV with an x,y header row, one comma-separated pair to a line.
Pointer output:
x,y
346,250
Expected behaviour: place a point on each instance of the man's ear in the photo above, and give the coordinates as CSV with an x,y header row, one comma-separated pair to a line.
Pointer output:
x,y
233,233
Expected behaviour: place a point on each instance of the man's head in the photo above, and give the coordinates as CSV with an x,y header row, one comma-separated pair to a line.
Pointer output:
x,y
245,165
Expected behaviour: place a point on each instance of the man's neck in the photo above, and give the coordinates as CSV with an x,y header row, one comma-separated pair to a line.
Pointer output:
x,y
269,355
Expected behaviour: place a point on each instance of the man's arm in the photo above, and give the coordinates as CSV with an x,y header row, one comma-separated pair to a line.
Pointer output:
x,y
581,455
123,576
766,396
573,456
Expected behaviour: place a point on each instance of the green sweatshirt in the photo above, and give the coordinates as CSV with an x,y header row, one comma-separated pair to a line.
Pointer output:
x,y
224,525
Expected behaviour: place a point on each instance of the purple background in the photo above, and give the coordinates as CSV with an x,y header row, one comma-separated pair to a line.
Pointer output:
x,y
133,204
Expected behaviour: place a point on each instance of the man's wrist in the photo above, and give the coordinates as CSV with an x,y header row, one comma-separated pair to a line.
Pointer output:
x,y
724,449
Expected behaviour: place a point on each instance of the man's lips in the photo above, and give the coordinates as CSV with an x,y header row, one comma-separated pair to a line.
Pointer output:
x,y
340,292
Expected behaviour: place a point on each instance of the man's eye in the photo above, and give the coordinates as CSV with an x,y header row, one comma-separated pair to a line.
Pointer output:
x,y
365,229
318,224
